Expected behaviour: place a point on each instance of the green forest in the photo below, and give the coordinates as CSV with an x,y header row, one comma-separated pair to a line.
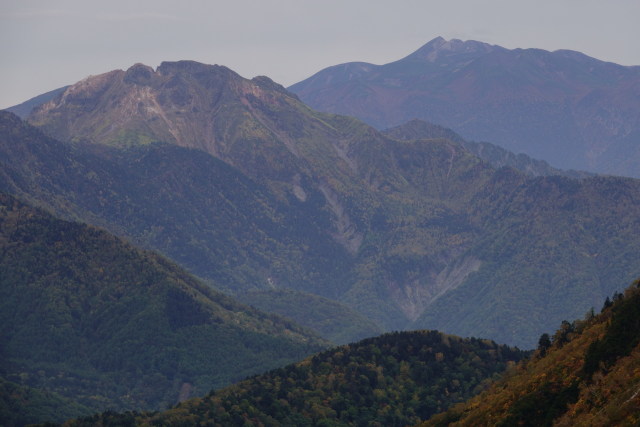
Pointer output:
x,y
94,320
587,373
394,379
170,233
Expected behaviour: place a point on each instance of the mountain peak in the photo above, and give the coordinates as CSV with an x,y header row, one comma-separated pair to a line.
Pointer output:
x,y
439,47
150,104
190,67
139,73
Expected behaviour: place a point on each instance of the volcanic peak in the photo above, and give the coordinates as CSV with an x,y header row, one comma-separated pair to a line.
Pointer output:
x,y
439,47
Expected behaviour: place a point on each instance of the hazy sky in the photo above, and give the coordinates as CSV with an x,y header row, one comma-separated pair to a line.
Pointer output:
x,y
47,44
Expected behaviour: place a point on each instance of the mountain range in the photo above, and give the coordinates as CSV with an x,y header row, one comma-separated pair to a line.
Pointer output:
x,y
250,189
315,217
564,107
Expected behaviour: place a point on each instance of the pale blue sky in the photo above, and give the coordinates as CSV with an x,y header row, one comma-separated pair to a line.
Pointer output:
x,y
47,44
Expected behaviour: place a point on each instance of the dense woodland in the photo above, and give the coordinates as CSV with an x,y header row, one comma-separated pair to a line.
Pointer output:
x,y
332,320
100,324
395,379
587,373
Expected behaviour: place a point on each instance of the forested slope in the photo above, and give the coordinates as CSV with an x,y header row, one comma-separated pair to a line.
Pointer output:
x,y
247,187
394,379
587,373
105,325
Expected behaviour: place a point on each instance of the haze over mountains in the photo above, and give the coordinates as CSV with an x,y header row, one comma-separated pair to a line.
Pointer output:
x,y
564,107
321,218
271,194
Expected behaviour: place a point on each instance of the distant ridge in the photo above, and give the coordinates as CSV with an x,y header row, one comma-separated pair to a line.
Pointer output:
x,y
24,109
573,111
439,48
496,156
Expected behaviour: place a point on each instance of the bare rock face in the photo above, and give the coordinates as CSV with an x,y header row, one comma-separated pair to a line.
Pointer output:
x,y
139,74
139,105
254,125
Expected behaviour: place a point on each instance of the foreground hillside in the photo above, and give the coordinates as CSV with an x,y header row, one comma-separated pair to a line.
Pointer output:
x,y
587,374
251,190
564,107
98,324
394,379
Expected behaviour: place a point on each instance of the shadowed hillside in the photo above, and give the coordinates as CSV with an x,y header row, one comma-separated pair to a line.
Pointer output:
x,y
101,324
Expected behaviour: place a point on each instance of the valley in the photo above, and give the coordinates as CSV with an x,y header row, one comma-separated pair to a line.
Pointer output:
x,y
177,231
407,228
